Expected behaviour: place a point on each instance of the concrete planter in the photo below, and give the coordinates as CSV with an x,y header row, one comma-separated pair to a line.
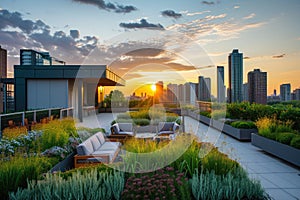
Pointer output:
x,y
64,165
205,120
240,134
283,151
184,112
194,115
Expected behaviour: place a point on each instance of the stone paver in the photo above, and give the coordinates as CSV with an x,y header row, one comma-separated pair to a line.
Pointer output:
x,y
280,179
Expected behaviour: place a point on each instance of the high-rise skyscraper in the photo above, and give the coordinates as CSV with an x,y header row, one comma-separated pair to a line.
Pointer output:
x,y
204,88
285,92
3,73
220,84
172,93
257,86
235,65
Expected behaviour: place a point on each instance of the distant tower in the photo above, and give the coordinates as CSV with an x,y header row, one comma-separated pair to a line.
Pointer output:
x,y
235,65
220,84
246,92
3,73
204,88
172,93
257,87
159,91
275,92
285,92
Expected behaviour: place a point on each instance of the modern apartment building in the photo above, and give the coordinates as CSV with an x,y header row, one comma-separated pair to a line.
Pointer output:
x,y
3,74
31,57
296,94
257,86
220,85
285,92
235,66
46,86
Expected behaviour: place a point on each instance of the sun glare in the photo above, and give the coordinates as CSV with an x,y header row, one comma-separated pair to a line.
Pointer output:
x,y
153,88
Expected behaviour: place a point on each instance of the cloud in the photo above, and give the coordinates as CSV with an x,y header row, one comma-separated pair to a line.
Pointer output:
x,y
146,52
17,33
298,38
213,29
246,58
279,56
250,16
208,2
236,7
171,13
74,34
15,20
101,4
143,24
197,13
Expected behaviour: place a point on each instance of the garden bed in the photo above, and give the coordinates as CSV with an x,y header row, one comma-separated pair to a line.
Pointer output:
x,y
283,151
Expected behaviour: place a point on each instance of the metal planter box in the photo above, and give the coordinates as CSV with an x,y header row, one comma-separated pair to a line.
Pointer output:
x,y
240,134
64,165
283,151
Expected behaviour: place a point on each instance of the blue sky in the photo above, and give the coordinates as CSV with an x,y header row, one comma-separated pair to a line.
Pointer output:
x,y
266,31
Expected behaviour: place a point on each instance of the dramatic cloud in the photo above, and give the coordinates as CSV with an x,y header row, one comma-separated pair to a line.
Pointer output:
x,y
250,16
143,24
108,6
208,2
171,13
74,34
279,56
17,33
14,20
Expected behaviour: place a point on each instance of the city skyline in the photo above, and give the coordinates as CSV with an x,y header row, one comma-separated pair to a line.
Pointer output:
x,y
269,38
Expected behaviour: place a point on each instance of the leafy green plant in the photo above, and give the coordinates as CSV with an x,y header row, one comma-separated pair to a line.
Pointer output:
x,y
233,185
295,142
285,138
15,172
243,124
87,185
141,122
206,114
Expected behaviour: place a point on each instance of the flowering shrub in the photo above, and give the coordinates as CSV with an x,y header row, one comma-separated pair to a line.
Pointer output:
x,y
162,184
12,133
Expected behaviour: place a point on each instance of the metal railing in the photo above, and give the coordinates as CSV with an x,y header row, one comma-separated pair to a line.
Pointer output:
x,y
27,117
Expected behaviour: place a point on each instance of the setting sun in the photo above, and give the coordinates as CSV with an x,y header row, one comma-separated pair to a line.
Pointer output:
x,y
153,88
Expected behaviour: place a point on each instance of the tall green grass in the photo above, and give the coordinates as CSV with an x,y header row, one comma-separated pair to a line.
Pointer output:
x,y
92,185
233,185
15,172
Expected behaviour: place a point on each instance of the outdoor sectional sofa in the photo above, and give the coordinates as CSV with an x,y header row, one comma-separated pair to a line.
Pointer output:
x,y
96,150
128,129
